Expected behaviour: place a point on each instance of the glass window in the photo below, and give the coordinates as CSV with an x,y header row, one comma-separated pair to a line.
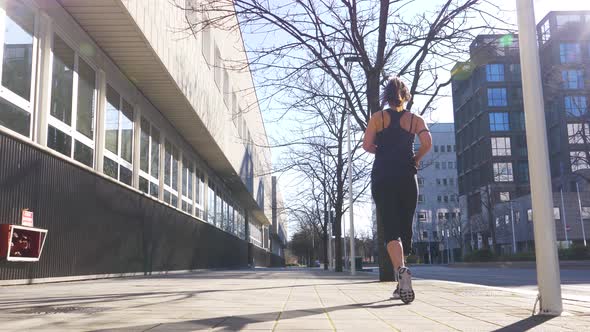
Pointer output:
x,y
17,68
127,132
451,165
62,81
564,21
501,146
578,133
495,72
422,216
499,121
576,105
572,79
211,205
17,64
556,213
436,148
545,32
420,181
149,158
579,160
73,120
504,196
14,118
112,120
437,165
171,174
420,198
187,185
503,172
119,134
570,53
59,141
529,214
18,49
497,97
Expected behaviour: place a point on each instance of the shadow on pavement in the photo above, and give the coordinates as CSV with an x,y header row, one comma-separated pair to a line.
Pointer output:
x,y
526,324
24,303
233,323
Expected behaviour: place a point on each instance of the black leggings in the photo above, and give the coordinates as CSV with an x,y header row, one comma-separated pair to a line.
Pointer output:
x,y
395,202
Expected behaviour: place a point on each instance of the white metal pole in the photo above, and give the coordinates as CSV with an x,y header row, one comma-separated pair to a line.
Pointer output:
x,y
513,233
564,219
344,242
538,155
581,218
350,200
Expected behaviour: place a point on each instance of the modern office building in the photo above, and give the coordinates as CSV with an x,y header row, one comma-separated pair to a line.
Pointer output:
x,y
489,126
137,143
437,226
564,46
489,118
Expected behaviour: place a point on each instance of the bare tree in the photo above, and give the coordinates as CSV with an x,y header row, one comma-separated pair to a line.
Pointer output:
x,y
300,37
318,162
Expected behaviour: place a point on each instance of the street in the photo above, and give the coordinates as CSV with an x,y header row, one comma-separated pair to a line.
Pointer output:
x,y
575,282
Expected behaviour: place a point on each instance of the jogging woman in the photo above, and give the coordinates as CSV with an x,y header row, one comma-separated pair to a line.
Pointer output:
x,y
390,136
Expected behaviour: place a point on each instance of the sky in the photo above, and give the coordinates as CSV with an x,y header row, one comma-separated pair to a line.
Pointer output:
x,y
444,110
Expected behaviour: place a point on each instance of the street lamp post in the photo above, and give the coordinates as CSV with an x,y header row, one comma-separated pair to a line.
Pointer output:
x,y
513,233
348,61
581,218
563,218
538,155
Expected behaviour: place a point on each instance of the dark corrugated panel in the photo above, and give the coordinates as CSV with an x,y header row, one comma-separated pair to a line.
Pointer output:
x,y
98,227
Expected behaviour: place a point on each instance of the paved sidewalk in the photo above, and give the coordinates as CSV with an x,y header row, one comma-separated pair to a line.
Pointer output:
x,y
267,299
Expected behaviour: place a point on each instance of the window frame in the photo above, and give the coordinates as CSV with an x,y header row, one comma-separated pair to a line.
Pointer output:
x,y
10,96
565,48
495,100
499,177
71,130
568,74
494,73
142,174
578,105
496,126
501,151
107,154
189,198
170,187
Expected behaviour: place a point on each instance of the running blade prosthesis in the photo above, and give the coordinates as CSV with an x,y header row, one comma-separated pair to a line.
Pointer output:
x,y
406,292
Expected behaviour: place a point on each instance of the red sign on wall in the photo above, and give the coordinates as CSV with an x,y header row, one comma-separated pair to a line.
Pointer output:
x,y
27,218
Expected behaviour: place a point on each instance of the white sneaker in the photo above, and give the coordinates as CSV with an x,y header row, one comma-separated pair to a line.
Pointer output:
x,y
406,292
396,295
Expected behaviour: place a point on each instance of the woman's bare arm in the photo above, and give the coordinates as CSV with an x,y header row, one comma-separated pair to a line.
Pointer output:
x,y
370,136
425,140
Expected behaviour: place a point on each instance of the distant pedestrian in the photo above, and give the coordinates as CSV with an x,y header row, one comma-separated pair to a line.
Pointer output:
x,y
390,136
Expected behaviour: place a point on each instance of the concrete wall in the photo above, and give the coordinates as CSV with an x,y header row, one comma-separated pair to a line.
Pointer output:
x,y
164,26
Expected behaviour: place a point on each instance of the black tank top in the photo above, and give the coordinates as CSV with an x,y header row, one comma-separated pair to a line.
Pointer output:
x,y
394,157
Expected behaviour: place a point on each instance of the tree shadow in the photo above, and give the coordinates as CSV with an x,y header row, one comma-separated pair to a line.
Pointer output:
x,y
25,304
238,322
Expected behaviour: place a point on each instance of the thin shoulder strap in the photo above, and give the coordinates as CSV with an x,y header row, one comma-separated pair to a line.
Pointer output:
x,y
382,121
412,123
